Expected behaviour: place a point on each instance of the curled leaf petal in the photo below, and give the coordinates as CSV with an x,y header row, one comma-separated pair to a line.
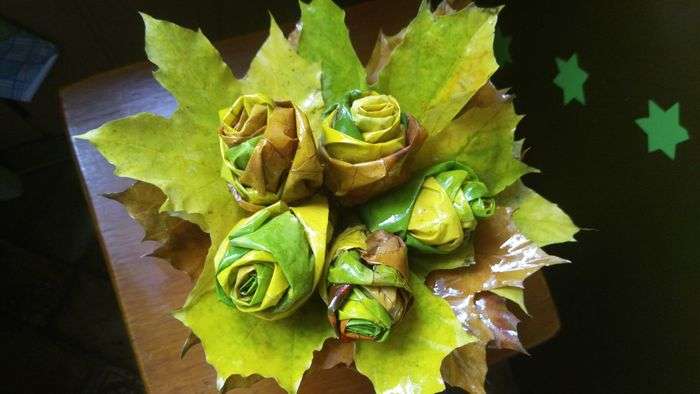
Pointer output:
x,y
365,285
270,262
364,127
434,210
268,152
354,183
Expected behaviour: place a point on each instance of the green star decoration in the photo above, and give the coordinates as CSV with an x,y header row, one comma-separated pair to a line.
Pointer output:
x,y
570,79
663,129
501,48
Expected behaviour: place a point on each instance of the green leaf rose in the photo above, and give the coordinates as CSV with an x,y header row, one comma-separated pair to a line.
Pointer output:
x,y
435,211
271,261
268,152
366,284
366,142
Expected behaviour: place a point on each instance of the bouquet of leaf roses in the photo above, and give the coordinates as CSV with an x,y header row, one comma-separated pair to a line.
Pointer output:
x,y
377,204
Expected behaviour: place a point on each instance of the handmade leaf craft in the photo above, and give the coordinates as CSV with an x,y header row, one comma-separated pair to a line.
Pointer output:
x,y
409,360
366,284
482,138
324,39
434,210
423,111
367,143
268,152
503,260
440,63
271,261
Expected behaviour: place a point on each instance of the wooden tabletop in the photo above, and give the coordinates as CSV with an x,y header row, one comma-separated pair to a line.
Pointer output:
x,y
148,289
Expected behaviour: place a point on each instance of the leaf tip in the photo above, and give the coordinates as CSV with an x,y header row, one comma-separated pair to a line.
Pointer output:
x,y
87,136
147,19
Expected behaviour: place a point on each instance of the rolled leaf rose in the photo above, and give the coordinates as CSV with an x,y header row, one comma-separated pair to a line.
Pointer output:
x,y
268,152
271,262
435,210
366,141
365,284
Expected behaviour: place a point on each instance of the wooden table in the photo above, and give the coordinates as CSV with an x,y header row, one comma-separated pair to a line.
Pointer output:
x,y
149,289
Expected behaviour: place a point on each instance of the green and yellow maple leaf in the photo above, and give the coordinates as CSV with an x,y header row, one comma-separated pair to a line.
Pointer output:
x,y
237,343
277,71
180,155
441,63
324,39
539,219
409,361
482,137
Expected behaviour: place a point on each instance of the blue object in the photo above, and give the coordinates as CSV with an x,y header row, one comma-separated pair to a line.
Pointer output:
x,y
25,59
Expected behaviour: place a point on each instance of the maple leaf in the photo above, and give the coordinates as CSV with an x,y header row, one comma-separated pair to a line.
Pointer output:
x,y
180,156
183,244
540,220
466,367
503,258
481,137
150,148
440,63
409,360
324,39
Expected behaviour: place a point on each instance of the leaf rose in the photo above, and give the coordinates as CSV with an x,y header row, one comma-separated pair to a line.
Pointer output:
x,y
366,284
366,141
435,210
268,152
271,261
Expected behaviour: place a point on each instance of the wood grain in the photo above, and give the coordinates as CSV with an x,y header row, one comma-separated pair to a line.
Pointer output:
x,y
149,289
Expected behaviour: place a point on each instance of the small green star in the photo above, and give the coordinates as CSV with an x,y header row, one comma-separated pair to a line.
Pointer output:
x,y
663,129
570,79
501,48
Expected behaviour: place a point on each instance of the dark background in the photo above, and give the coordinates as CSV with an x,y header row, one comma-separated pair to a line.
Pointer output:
x,y
628,304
